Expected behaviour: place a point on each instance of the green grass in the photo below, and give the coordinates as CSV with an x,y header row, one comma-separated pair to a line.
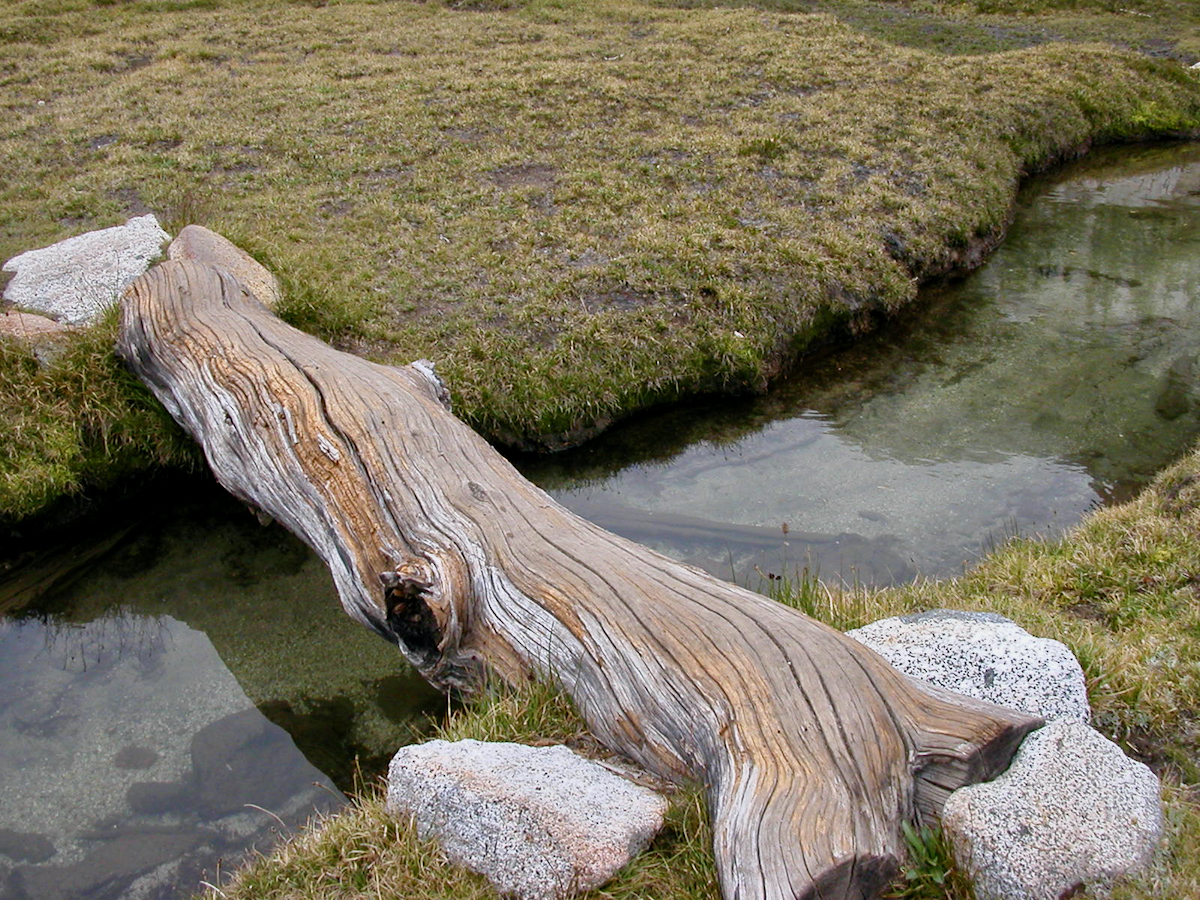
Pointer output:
x,y
82,419
577,209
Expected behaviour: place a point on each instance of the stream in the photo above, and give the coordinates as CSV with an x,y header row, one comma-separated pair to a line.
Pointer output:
x,y
178,684
1058,377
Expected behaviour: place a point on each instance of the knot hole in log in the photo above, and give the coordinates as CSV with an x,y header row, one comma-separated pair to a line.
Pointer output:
x,y
425,601
406,594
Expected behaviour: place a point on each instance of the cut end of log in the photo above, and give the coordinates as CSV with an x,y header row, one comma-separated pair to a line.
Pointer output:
x,y
970,741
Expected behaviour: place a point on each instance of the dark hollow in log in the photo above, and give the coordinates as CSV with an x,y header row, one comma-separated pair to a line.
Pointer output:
x,y
812,748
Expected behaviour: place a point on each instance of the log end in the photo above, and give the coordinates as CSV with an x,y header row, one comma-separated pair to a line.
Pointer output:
x,y
965,742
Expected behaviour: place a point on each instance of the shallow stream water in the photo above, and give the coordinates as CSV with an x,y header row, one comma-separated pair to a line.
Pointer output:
x,y
192,694
1059,376
185,685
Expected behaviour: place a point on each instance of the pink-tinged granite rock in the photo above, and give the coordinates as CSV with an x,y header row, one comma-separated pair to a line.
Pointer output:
x,y
30,326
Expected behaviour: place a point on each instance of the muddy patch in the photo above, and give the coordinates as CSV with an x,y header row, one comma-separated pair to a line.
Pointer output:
x,y
523,175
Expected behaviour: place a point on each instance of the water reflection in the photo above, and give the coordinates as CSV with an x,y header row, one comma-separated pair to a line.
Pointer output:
x,y
128,757
1059,376
179,701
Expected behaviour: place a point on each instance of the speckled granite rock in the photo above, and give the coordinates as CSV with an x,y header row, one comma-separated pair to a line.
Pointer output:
x,y
1071,809
197,243
985,656
538,822
75,280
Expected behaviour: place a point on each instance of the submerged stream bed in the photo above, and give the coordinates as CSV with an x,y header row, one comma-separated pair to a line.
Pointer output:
x,y
180,684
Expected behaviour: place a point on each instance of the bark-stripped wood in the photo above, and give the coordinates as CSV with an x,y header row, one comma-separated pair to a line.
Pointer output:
x,y
812,748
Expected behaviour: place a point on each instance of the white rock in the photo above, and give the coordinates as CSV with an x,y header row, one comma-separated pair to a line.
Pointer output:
x,y
77,279
538,822
1071,809
985,656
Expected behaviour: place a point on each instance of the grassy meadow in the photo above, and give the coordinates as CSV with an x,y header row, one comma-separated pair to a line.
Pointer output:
x,y
580,208
576,209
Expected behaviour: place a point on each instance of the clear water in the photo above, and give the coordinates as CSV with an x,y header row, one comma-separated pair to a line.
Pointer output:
x,y
1059,376
187,697
186,686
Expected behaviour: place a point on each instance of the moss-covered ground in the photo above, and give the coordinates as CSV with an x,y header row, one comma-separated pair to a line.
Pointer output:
x,y
577,209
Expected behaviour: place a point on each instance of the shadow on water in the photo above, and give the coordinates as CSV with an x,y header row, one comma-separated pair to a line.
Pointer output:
x,y
185,688
1060,376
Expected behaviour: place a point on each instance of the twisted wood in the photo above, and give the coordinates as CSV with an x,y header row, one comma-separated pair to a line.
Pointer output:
x,y
812,748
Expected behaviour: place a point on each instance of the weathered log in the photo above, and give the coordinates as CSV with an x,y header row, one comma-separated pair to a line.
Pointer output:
x,y
812,748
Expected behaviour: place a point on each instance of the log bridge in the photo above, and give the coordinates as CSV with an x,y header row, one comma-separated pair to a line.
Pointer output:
x,y
812,749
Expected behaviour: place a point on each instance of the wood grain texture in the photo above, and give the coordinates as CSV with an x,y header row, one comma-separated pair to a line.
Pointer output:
x,y
812,748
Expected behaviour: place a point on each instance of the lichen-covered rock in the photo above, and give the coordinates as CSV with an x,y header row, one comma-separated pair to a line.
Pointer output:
x,y
538,822
75,280
197,243
985,656
1071,809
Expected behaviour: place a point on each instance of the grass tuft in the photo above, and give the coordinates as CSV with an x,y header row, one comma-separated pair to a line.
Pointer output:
x,y
931,872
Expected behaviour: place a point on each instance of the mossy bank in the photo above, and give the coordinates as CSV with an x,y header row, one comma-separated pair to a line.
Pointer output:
x,y
576,209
